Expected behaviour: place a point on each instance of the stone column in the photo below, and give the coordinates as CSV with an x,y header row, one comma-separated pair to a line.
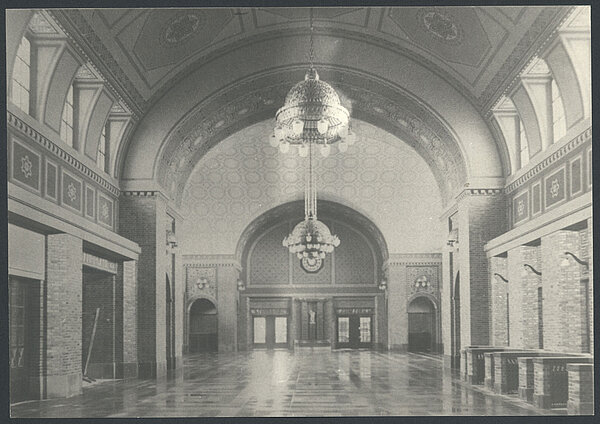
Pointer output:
x,y
581,389
64,257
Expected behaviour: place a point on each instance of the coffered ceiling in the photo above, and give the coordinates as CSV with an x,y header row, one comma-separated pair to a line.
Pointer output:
x,y
243,177
476,49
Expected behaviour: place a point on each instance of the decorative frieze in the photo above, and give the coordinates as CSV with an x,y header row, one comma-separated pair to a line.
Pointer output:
x,y
32,134
205,261
99,263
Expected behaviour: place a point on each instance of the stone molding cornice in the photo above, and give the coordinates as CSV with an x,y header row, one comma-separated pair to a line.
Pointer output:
x,y
403,259
479,192
512,69
208,261
577,141
88,44
31,133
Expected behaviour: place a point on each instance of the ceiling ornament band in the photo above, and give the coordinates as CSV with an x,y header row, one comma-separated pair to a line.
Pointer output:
x,y
311,115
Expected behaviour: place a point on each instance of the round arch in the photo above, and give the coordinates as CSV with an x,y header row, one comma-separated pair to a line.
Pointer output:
x,y
423,323
440,120
202,324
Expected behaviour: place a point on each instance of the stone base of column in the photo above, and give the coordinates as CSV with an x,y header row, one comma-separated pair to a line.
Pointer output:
x,y
61,386
526,393
151,369
175,367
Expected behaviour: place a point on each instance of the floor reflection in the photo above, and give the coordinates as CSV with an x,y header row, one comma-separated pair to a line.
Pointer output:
x,y
281,383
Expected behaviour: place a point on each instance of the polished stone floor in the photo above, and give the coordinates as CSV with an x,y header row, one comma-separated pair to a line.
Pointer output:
x,y
283,383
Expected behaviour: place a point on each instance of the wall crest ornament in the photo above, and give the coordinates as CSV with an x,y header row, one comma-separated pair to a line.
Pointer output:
x,y
26,166
72,192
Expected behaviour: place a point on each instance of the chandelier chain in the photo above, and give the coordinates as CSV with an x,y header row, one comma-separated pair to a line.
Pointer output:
x,y
312,45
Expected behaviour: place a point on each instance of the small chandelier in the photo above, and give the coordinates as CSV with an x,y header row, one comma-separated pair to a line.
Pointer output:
x,y
311,115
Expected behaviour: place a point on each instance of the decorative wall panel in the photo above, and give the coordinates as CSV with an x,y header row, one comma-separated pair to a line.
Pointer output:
x,y
45,168
26,166
423,279
354,261
201,282
556,179
269,260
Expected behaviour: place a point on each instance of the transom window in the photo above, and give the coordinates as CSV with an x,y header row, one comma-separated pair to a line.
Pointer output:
x,y
558,113
21,76
66,125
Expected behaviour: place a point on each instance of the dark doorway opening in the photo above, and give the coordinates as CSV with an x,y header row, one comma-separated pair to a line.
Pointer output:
x,y
24,338
421,325
203,327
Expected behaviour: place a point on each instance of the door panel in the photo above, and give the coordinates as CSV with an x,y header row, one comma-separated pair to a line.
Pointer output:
x,y
354,331
270,332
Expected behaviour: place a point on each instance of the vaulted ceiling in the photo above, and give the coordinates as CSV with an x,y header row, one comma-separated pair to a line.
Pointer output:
x,y
146,51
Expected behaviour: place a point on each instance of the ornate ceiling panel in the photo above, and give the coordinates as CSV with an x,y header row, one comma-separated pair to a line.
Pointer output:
x,y
477,49
243,177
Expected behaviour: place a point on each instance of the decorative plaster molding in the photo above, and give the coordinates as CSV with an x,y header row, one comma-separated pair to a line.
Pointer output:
x,y
206,261
89,45
32,134
478,192
371,99
537,37
577,141
403,259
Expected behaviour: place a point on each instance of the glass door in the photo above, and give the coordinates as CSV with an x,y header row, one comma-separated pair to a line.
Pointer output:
x,y
270,332
354,331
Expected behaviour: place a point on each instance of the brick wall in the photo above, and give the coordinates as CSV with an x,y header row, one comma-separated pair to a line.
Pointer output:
x,y
63,315
126,319
498,296
563,301
523,296
143,220
481,217
98,293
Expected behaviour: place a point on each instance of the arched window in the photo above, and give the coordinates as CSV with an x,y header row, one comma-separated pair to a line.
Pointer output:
x,y
524,144
66,125
558,113
21,76
101,159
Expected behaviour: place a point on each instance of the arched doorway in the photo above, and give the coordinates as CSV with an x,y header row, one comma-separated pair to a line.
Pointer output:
x,y
421,325
203,326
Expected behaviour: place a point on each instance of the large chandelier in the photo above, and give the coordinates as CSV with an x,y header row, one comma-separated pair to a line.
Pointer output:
x,y
311,116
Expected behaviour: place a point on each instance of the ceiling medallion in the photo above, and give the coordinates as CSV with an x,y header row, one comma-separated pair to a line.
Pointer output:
x,y
311,116
442,26
182,27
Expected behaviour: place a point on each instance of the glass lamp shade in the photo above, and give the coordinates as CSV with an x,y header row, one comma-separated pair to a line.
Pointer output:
x,y
311,238
325,150
284,147
303,150
351,138
312,112
273,140
279,133
343,146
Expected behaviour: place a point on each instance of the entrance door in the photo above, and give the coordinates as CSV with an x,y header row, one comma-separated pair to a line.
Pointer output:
x,y
270,332
354,331
421,325
22,335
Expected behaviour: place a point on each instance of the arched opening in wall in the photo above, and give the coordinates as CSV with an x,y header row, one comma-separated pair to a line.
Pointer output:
x,y
421,325
203,326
